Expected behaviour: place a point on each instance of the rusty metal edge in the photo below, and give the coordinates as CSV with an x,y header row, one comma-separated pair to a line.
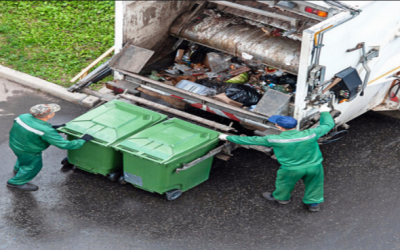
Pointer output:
x,y
196,98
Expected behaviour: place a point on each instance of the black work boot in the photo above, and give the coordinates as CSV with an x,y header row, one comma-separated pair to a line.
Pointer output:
x,y
314,207
24,187
270,197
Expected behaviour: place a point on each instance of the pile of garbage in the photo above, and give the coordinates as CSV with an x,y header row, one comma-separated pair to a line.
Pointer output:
x,y
238,81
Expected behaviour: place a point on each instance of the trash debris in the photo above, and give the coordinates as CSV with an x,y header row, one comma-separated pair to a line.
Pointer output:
x,y
252,107
288,79
212,13
175,80
270,70
235,80
213,84
279,73
267,30
197,54
223,76
198,69
243,94
223,98
218,62
178,67
182,68
242,78
239,71
280,88
179,55
270,78
211,75
155,76
247,56
196,88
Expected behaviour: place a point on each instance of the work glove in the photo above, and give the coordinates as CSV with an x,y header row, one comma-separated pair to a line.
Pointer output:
x,y
325,108
222,137
86,137
58,126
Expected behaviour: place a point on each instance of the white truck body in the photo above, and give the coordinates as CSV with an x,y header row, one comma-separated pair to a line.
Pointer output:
x,y
146,24
378,26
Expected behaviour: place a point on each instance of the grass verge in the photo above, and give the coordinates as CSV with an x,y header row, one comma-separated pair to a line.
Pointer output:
x,y
54,40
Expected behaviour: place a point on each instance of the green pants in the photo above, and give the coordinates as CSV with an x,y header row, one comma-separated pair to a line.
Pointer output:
x,y
313,178
27,166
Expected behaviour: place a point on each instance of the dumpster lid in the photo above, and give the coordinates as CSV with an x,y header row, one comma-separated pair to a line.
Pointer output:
x,y
112,121
168,140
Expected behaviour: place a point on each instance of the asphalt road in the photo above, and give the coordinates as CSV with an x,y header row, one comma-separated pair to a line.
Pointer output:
x,y
78,210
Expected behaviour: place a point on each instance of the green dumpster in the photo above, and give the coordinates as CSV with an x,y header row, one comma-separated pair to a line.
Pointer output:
x,y
152,156
108,124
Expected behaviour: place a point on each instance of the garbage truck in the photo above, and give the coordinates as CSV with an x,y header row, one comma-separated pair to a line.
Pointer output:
x,y
345,53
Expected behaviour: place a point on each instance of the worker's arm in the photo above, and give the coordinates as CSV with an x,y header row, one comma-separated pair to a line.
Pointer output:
x,y
326,124
55,139
249,140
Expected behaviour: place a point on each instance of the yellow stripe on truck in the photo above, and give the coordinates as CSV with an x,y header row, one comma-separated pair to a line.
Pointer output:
x,y
316,34
384,75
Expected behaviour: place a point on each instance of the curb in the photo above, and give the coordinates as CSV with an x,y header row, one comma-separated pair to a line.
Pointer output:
x,y
47,87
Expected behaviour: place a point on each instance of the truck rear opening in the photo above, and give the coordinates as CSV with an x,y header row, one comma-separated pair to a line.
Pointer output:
x,y
258,47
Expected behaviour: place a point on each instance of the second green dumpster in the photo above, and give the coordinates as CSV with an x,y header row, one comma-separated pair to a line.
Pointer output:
x,y
151,157
108,124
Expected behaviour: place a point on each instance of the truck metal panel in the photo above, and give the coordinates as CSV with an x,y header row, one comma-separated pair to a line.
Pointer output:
x,y
233,37
146,23
374,25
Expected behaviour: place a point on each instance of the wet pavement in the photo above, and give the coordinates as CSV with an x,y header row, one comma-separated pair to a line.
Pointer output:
x,y
77,210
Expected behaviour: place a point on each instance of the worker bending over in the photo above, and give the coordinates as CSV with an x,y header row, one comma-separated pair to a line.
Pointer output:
x,y
29,136
299,155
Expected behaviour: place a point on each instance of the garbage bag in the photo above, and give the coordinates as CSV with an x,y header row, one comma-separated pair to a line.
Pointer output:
x,y
288,79
199,55
243,94
213,84
270,78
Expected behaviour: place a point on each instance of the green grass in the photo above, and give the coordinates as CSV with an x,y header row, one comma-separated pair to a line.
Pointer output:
x,y
54,40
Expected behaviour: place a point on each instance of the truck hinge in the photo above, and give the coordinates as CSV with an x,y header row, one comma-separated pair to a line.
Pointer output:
x,y
371,54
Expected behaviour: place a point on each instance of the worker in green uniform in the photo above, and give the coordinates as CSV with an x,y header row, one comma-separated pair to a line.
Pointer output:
x,y
299,156
29,136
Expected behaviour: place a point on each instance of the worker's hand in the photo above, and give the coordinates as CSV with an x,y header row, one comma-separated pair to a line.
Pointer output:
x,y
58,126
222,137
86,137
325,108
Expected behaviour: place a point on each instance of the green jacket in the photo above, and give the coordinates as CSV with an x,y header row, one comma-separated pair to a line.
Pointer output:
x,y
32,135
294,149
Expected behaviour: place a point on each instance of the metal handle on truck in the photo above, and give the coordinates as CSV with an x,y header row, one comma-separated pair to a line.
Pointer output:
x,y
205,157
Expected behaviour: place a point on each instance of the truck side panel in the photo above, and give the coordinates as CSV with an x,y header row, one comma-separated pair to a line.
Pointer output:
x,y
305,61
375,26
146,23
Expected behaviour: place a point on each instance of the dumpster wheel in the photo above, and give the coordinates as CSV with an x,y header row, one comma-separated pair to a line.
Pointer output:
x,y
121,180
66,163
173,194
113,176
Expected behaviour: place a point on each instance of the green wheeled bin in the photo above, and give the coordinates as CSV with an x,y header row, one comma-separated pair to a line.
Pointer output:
x,y
151,157
108,124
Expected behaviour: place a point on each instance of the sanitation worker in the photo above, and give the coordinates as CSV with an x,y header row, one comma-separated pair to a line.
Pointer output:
x,y
29,136
298,154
